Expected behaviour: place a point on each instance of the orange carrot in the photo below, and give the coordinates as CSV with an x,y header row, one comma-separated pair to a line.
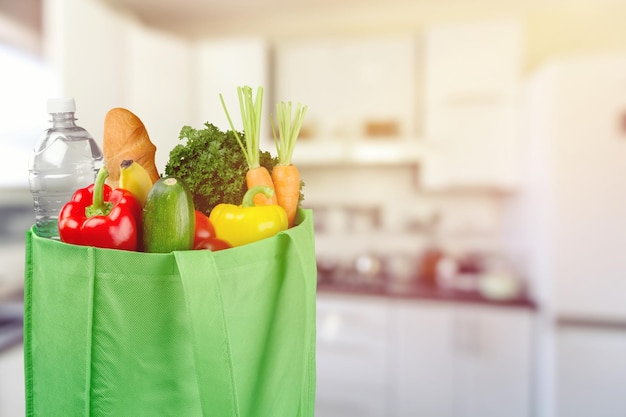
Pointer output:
x,y
285,175
286,180
261,176
251,117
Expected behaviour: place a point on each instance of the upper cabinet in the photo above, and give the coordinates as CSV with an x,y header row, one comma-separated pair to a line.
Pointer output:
x,y
222,65
472,62
472,77
356,88
156,85
114,61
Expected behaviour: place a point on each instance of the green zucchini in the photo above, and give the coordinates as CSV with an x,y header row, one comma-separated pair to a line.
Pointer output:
x,y
168,217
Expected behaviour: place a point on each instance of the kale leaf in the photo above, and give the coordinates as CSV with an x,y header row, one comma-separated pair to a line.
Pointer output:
x,y
212,165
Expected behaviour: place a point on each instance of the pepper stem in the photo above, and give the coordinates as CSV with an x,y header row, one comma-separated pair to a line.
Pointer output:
x,y
99,207
248,197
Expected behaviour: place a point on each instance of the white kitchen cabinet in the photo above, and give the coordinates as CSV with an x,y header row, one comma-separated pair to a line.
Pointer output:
x,y
87,56
456,360
422,364
167,80
472,60
157,85
492,351
352,355
12,389
472,74
115,61
347,83
222,65
590,371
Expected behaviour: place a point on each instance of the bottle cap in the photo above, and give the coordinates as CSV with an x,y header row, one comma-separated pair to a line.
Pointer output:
x,y
61,105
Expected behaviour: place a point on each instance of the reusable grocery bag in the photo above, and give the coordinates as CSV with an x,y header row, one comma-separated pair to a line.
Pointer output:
x,y
184,334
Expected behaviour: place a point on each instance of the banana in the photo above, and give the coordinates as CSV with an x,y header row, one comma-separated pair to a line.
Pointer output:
x,y
135,178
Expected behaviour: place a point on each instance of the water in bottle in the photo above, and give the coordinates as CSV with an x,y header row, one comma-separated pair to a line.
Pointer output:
x,y
65,159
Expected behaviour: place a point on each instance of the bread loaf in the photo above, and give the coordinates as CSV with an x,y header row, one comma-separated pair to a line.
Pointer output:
x,y
126,137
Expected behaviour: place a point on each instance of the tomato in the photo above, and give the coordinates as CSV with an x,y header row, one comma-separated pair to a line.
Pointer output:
x,y
213,244
204,228
204,237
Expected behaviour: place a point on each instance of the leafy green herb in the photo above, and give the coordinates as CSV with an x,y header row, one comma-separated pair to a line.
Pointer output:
x,y
212,165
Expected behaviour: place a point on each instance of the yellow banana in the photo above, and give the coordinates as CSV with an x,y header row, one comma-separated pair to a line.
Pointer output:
x,y
135,178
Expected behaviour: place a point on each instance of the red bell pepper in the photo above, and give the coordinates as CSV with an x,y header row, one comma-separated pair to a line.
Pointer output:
x,y
103,217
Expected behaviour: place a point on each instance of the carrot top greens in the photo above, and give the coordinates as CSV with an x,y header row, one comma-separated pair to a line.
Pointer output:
x,y
250,109
289,124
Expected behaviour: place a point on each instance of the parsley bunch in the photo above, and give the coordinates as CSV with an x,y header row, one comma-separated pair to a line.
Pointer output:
x,y
212,165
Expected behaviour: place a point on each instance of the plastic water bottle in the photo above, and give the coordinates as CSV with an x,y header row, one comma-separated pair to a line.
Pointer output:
x,y
65,159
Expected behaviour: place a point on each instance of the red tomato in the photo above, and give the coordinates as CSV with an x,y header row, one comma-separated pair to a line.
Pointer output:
x,y
204,229
213,244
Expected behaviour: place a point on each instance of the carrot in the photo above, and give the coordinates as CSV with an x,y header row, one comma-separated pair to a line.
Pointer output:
x,y
285,174
261,176
287,185
251,117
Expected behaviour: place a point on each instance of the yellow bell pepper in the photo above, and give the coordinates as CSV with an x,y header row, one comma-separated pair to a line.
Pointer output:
x,y
239,225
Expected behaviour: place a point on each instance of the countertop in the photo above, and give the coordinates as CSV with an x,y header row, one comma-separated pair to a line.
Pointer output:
x,y
419,291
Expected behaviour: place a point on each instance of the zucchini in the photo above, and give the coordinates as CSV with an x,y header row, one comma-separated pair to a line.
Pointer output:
x,y
168,217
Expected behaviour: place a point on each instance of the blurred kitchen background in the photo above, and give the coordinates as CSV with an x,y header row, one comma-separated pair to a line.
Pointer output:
x,y
465,162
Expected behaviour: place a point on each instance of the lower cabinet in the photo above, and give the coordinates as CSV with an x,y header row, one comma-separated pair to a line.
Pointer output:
x,y
12,394
492,362
422,366
389,357
352,356
590,370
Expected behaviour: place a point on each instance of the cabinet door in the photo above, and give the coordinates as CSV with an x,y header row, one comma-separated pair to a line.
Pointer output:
x,y
421,366
492,361
348,81
223,65
12,396
590,371
474,146
472,74
351,356
470,60
157,81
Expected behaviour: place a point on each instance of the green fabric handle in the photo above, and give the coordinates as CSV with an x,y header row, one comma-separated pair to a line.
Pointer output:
x,y
203,296
71,361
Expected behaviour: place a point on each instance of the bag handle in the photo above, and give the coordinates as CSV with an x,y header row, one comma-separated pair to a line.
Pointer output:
x,y
307,400
203,297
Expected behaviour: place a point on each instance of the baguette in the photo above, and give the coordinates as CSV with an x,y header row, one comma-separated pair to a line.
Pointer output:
x,y
126,137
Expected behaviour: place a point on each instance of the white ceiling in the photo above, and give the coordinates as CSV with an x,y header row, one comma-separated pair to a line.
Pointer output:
x,y
199,18
214,17
196,17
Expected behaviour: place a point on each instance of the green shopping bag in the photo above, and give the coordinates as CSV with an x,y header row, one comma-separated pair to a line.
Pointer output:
x,y
184,334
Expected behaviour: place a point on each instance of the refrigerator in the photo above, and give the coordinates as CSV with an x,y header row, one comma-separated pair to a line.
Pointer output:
x,y
568,224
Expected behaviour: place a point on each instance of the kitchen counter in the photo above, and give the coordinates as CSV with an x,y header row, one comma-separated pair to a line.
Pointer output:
x,y
425,292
